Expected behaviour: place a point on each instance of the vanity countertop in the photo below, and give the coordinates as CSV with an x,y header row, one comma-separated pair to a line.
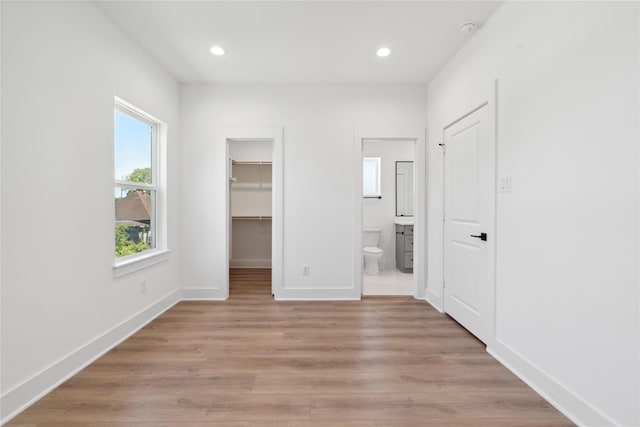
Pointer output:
x,y
404,220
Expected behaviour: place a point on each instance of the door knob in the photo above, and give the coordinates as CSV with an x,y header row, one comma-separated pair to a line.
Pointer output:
x,y
481,236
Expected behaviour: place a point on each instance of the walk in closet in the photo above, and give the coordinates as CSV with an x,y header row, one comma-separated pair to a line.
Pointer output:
x,y
250,204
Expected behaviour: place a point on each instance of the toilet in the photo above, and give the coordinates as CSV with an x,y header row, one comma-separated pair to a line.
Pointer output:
x,y
371,252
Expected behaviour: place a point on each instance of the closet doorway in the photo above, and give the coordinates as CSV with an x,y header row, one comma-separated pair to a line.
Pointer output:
x,y
250,209
253,208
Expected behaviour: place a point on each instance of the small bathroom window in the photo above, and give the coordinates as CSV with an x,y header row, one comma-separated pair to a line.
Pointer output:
x,y
371,177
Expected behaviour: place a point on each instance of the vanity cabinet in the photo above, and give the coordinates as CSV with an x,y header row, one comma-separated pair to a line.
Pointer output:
x,y
404,248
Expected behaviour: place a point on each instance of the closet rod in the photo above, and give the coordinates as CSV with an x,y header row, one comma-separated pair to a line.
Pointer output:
x,y
251,163
251,218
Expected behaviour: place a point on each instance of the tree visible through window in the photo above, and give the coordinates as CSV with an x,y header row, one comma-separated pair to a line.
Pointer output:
x,y
135,181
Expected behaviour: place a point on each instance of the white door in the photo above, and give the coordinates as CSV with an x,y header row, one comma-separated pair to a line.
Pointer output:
x,y
469,213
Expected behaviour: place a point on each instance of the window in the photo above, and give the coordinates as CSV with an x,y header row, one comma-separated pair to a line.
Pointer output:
x,y
136,137
371,177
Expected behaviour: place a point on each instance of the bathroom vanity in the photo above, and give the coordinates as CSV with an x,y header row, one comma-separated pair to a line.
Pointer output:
x,y
404,244
404,219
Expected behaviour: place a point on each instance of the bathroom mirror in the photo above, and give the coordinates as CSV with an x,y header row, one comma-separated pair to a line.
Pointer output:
x,y
404,188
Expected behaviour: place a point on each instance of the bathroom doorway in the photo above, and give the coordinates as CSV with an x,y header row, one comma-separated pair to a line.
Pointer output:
x,y
388,216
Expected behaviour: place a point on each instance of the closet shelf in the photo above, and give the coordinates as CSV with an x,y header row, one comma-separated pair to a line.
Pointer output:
x,y
250,185
251,218
251,163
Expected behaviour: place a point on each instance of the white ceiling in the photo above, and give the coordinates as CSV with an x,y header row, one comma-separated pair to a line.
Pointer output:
x,y
299,42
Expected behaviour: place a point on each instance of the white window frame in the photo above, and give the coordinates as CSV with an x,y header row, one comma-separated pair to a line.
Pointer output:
x,y
377,161
130,263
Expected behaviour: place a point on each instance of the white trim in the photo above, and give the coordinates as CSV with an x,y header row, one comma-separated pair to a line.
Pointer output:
x,y
275,135
553,391
434,300
24,395
358,260
318,294
134,185
250,263
1,199
126,106
421,157
493,301
135,262
203,294
420,233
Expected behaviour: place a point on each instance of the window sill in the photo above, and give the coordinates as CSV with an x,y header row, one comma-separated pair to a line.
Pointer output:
x,y
126,266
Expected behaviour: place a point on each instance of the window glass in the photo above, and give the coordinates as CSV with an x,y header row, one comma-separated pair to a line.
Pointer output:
x,y
371,176
135,187
133,148
134,220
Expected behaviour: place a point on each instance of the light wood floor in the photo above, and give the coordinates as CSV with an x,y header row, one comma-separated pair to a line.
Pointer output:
x,y
252,361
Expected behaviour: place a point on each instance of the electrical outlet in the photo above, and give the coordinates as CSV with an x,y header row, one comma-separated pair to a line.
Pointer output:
x,y
143,286
306,270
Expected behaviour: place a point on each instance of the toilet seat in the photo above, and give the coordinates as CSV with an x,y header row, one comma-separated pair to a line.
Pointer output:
x,y
372,250
372,256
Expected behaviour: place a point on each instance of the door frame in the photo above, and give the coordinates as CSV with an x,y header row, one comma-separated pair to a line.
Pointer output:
x,y
418,135
491,103
274,135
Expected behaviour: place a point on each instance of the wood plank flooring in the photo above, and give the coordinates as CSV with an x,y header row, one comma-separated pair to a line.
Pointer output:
x,y
253,361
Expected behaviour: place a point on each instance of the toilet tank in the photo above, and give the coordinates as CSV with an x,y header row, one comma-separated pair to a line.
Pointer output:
x,y
370,237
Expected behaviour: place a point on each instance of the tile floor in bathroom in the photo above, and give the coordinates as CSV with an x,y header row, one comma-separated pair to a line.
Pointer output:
x,y
388,282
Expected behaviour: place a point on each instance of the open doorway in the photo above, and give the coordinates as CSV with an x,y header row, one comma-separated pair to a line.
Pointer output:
x,y
252,168
388,216
250,216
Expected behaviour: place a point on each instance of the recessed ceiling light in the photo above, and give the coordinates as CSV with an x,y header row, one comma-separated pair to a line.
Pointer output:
x,y
383,51
217,51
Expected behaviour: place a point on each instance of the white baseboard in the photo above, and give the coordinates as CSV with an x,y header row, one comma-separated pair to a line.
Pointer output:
x,y
375,289
434,300
302,294
250,263
203,294
562,398
24,395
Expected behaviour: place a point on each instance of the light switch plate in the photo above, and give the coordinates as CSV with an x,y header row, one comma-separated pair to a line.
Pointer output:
x,y
504,184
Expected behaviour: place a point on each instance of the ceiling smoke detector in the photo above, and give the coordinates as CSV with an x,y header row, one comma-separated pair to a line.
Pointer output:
x,y
468,27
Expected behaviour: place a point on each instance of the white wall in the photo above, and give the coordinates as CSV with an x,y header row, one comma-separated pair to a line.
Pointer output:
x,y
380,213
62,64
251,244
567,248
319,195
